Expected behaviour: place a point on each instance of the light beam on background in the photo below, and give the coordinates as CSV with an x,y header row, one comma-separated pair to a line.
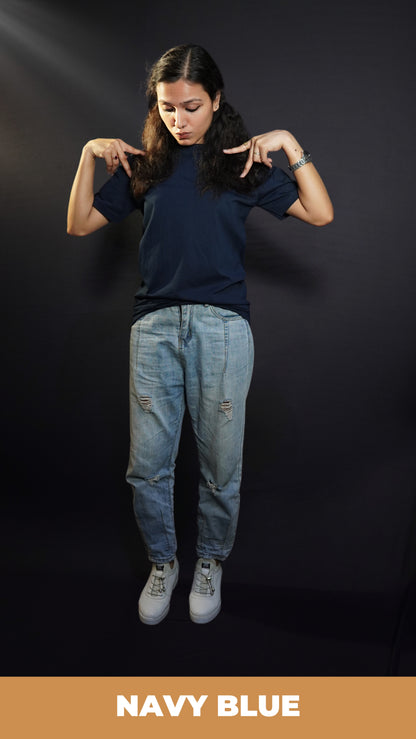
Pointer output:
x,y
51,38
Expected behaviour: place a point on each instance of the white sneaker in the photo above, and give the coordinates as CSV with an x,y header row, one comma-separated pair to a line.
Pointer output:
x,y
205,595
154,601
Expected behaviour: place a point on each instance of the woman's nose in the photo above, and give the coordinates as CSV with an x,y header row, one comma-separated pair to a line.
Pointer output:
x,y
180,119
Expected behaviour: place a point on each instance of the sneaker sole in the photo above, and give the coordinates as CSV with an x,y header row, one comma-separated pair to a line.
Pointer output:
x,y
197,619
154,621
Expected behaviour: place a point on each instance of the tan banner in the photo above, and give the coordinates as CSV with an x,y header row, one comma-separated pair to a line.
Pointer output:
x,y
213,707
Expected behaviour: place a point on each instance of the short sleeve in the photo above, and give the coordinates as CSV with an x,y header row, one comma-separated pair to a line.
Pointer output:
x,y
277,193
115,200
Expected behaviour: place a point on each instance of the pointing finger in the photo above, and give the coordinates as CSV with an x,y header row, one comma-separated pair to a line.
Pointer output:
x,y
238,149
249,162
132,149
119,155
125,162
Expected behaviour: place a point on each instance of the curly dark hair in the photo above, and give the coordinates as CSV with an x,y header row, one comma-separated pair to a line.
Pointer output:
x,y
216,171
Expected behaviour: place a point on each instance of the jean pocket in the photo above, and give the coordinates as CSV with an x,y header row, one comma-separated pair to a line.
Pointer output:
x,y
225,314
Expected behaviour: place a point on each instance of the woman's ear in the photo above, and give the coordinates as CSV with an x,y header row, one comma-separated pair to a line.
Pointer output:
x,y
216,102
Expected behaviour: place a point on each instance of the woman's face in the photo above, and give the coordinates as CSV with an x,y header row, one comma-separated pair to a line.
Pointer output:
x,y
186,109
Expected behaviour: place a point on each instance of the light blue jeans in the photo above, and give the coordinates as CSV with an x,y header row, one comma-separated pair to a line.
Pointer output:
x,y
201,356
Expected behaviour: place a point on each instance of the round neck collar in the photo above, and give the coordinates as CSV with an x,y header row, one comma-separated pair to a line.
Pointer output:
x,y
191,147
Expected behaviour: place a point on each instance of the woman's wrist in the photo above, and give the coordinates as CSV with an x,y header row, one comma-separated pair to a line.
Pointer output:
x,y
292,148
88,151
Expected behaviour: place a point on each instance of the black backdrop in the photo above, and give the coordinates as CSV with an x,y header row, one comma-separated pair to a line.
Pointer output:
x,y
321,580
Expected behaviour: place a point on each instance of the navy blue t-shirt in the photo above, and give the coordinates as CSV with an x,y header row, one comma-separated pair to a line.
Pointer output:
x,y
192,248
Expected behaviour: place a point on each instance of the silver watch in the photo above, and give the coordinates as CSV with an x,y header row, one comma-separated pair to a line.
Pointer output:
x,y
305,158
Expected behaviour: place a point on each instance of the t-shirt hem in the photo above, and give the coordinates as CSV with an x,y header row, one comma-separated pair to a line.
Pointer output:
x,y
142,308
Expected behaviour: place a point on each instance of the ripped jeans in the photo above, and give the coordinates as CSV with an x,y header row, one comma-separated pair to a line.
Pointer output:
x,y
202,356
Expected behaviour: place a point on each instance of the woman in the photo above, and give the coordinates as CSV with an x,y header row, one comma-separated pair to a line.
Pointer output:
x,y
196,179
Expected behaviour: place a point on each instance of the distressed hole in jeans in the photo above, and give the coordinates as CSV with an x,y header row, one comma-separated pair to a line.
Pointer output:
x,y
153,480
145,402
212,486
227,407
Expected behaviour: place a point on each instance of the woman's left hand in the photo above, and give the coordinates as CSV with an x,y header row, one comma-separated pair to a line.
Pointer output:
x,y
258,148
313,204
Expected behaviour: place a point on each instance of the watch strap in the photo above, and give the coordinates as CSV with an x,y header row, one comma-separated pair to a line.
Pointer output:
x,y
305,158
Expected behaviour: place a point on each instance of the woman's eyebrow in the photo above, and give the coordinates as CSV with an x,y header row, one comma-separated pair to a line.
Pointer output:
x,y
185,102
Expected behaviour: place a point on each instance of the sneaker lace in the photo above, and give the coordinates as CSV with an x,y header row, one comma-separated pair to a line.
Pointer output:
x,y
203,583
157,586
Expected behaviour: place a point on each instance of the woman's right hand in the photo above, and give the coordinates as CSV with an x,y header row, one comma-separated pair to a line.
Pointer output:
x,y
113,151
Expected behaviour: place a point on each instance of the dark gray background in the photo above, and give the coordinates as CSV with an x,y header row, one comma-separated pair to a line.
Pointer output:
x,y
321,580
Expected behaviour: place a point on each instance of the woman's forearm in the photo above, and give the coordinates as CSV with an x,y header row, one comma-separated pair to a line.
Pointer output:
x,y
82,194
313,195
